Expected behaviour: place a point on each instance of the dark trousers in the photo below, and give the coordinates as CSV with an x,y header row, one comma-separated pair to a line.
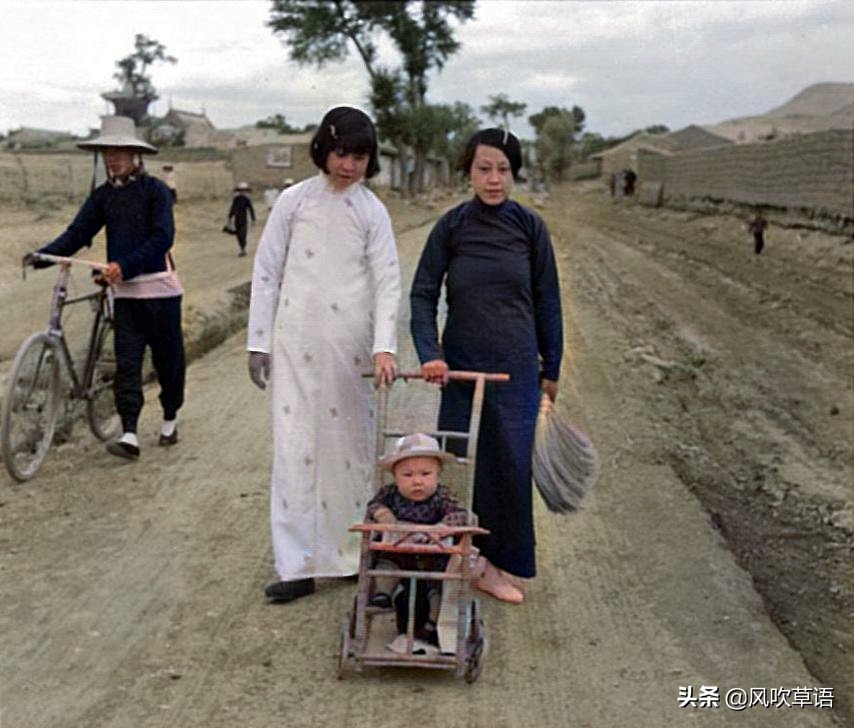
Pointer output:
x,y
241,229
758,242
503,499
153,322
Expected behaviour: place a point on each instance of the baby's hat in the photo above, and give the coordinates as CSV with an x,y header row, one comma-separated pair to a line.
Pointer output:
x,y
412,446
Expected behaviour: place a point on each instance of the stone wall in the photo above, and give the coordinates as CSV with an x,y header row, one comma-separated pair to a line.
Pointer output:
x,y
809,174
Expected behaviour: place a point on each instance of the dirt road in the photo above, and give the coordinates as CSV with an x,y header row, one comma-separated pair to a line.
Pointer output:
x,y
132,593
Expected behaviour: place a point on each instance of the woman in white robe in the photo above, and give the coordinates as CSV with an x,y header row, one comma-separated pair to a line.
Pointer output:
x,y
325,295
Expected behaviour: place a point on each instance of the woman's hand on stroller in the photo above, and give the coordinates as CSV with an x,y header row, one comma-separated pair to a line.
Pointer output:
x,y
435,371
384,368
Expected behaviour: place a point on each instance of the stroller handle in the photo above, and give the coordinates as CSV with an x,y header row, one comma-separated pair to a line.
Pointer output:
x,y
462,376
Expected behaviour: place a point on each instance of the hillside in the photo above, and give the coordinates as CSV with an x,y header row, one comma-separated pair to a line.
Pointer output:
x,y
815,108
820,99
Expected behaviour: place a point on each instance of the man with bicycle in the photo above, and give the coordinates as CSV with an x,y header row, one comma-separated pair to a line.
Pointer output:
x,y
136,210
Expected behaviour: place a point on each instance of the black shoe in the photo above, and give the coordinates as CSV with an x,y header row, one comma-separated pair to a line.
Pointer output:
x,y
380,600
166,440
428,633
287,591
123,449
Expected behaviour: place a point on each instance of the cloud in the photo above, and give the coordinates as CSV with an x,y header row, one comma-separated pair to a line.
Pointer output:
x,y
627,64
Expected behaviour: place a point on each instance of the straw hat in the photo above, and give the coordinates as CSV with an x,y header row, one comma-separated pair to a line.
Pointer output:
x,y
414,446
243,187
118,131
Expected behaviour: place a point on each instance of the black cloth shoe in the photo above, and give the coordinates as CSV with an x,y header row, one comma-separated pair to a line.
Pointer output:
x,y
123,450
381,600
167,440
428,633
287,591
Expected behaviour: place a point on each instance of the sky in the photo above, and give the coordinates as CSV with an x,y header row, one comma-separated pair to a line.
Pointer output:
x,y
627,64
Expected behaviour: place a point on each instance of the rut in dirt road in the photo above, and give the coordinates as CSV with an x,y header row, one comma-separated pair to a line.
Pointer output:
x,y
744,367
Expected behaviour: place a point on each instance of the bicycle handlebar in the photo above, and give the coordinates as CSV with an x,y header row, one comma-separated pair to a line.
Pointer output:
x,y
62,259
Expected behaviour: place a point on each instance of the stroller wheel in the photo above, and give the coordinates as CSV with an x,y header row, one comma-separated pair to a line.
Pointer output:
x,y
344,652
473,663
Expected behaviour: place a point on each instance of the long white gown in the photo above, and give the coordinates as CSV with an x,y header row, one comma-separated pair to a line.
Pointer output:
x,y
325,295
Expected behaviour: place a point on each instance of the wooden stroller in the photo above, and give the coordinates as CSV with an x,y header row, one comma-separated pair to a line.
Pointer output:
x,y
370,635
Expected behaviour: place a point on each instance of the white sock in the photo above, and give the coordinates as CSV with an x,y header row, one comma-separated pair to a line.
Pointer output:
x,y
168,427
130,439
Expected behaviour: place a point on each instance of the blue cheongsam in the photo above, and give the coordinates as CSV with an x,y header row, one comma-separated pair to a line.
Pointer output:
x,y
504,315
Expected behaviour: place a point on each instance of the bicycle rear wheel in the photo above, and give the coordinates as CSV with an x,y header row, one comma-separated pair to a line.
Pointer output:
x,y
100,400
30,407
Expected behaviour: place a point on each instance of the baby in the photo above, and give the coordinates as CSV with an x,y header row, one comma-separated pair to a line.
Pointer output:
x,y
415,497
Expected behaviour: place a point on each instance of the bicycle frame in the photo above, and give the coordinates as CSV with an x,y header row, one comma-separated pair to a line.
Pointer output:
x,y
103,299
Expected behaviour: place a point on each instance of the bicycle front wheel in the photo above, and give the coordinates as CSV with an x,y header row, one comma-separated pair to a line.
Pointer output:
x,y
100,399
30,407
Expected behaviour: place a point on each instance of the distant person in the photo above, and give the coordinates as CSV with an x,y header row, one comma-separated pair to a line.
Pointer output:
x,y
323,309
629,179
136,210
415,496
239,214
757,227
169,179
271,194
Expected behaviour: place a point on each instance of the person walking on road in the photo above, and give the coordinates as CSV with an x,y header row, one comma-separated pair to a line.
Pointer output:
x,y
169,179
325,294
757,227
240,212
629,180
136,210
496,261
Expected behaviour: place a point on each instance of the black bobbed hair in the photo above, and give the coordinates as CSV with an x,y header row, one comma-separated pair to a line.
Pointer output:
x,y
346,130
498,138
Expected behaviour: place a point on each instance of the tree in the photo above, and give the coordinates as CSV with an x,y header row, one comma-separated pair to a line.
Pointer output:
x,y
591,143
318,32
277,122
133,68
322,31
555,144
501,108
462,123
576,113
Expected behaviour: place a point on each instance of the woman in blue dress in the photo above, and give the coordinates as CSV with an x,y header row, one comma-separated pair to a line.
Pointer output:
x,y
504,315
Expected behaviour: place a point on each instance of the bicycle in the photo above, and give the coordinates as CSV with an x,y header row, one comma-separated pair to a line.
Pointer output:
x,y
34,391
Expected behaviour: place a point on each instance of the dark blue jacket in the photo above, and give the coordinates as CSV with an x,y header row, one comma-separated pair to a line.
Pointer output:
x,y
502,291
138,218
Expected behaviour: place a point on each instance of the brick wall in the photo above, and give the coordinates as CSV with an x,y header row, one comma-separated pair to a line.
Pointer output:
x,y
810,173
